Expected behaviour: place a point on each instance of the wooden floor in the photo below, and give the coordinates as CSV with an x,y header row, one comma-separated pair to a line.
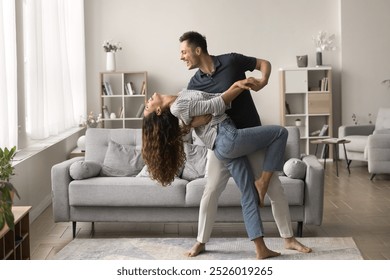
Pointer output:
x,y
354,206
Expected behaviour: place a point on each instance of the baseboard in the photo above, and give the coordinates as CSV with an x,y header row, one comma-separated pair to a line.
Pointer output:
x,y
40,208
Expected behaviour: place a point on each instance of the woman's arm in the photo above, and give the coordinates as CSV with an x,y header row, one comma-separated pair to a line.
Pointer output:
x,y
236,89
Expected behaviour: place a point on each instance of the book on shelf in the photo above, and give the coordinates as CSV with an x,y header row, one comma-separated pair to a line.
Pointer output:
x,y
323,130
288,111
129,88
104,90
108,88
143,88
324,84
140,111
121,112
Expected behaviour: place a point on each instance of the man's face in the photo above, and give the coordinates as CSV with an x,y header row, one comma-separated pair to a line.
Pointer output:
x,y
189,56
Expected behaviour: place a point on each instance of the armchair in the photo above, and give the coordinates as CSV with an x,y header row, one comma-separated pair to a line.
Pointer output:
x,y
370,143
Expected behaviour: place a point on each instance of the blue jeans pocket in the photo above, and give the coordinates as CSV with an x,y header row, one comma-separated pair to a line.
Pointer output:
x,y
224,143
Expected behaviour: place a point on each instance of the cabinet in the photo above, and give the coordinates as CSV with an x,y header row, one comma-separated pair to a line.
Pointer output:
x,y
306,95
123,96
15,245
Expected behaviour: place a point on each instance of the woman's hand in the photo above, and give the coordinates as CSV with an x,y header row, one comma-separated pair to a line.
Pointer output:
x,y
248,84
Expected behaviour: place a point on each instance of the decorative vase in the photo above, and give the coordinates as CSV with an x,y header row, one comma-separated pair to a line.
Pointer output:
x,y
110,63
319,58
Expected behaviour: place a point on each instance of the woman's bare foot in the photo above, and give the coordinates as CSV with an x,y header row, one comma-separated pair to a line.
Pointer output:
x,y
262,252
197,249
293,244
261,188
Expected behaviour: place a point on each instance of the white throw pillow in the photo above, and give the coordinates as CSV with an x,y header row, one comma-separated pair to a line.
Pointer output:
x,y
196,159
84,169
295,168
122,160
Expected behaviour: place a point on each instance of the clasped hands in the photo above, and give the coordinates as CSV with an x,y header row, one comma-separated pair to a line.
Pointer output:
x,y
250,83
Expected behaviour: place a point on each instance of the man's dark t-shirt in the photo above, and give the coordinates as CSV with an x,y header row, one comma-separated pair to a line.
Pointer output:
x,y
229,68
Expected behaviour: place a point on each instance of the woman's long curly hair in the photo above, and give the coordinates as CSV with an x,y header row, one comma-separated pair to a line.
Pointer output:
x,y
162,146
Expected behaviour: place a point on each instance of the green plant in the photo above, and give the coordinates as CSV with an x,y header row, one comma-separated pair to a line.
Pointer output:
x,y
6,188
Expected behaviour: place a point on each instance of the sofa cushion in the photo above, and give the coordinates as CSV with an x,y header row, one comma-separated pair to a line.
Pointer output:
x,y
144,172
84,169
294,189
195,164
294,168
231,196
126,192
122,160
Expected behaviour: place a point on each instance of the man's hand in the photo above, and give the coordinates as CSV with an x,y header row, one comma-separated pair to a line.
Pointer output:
x,y
258,84
200,120
250,84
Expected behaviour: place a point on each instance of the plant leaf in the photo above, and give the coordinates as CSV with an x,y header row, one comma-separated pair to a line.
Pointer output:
x,y
9,218
2,221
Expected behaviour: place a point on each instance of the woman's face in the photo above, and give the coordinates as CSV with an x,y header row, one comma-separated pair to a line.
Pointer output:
x,y
153,104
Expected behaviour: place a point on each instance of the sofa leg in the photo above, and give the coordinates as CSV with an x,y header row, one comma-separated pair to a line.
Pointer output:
x,y
372,176
299,229
74,229
92,229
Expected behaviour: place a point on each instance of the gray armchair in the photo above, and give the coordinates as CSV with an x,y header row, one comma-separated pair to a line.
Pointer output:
x,y
370,143
379,153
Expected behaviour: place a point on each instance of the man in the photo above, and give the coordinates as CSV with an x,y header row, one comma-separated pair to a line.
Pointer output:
x,y
216,74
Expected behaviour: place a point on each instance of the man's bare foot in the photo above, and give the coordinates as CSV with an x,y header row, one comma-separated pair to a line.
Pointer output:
x,y
197,249
293,244
262,252
261,188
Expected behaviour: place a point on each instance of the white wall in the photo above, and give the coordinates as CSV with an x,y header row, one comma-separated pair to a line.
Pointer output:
x,y
149,30
365,58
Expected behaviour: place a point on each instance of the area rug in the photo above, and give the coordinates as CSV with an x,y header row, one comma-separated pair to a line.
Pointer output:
x,y
217,249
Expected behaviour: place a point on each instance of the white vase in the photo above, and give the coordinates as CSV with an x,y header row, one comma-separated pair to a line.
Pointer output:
x,y
110,63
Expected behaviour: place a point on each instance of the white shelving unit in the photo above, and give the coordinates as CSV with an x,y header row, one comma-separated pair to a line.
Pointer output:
x,y
116,98
306,94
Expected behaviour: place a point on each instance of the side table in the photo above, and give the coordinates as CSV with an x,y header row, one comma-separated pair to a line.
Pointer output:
x,y
15,245
77,152
335,142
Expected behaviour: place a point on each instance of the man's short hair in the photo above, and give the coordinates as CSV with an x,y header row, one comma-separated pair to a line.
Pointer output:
x,y
194,40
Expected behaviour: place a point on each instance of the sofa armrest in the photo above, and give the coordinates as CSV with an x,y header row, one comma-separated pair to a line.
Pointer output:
x,y
346,130
382,131
378,148
60,179
314,190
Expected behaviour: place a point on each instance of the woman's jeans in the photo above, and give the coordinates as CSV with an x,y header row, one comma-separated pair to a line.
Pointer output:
x,y
231,147
233,143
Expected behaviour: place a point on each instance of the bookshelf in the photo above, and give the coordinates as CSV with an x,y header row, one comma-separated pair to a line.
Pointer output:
x,y
306,94
123,95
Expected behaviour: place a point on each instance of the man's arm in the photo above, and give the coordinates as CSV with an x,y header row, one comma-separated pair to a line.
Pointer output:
x,y
264,66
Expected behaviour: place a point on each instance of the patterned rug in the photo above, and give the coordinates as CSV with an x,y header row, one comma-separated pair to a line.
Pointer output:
x,y
217,249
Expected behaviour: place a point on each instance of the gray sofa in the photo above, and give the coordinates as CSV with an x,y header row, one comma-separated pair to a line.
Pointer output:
x,y
136,198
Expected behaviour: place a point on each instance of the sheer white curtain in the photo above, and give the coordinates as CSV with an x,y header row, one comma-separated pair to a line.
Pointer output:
x,y
8,71
55,79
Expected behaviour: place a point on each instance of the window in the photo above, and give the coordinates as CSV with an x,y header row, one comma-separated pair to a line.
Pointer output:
x,y
47,94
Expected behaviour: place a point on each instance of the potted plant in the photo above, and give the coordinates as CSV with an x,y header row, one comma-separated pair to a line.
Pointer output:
x,y
7,190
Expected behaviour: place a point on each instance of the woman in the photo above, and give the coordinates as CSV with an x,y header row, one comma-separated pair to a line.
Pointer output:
x,y
163,150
